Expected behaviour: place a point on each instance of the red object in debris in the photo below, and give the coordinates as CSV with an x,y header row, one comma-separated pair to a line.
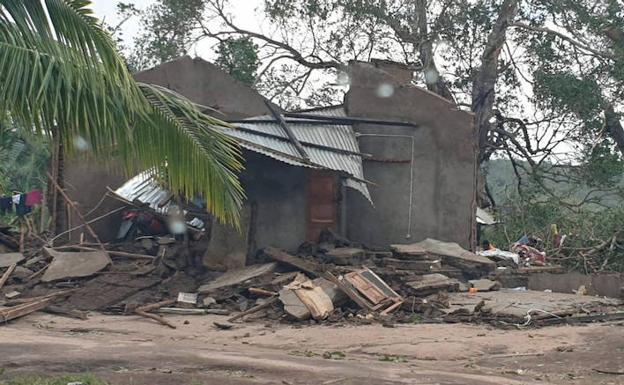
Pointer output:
x,y
33,198
534,256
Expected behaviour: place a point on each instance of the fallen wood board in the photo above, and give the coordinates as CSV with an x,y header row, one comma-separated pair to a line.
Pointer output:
x,y
67,265
237,276
254,309
156,318
157,305
14,312
8,259
180,311
7,274
300,263
349,290
366,288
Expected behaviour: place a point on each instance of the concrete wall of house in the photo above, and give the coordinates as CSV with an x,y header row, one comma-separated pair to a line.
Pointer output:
x,y
198,80
442,171
278,194
206,84
85,181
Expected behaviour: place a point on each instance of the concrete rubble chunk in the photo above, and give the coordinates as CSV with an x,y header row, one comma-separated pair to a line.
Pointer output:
x,y
434,282
485,284
7,259
69,264
454,255
237,276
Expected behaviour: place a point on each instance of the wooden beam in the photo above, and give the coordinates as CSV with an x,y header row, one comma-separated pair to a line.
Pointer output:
x,y
287,130
7,274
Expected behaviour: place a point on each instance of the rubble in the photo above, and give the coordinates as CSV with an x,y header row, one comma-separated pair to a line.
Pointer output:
x,y
66,265
8,259
332,281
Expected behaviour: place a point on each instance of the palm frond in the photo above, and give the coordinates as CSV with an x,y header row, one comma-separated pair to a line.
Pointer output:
x,y
60,72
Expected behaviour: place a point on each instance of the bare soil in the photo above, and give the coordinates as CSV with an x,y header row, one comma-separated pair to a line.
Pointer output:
x,y
130,350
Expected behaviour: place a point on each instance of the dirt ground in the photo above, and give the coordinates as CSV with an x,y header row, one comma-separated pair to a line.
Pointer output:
x,y
130,350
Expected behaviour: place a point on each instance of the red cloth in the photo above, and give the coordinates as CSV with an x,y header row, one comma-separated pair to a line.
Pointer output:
x,y
33,198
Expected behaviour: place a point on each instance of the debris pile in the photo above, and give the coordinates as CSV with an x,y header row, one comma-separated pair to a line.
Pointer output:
x,y
330,281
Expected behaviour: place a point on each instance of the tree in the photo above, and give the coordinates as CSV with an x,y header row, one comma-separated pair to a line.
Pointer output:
x,y
167,29
239,58
62,77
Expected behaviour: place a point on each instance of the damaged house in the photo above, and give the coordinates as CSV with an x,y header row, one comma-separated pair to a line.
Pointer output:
x,y
393,164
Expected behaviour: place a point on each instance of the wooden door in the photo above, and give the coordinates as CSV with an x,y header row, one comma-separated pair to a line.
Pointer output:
x,y
322,203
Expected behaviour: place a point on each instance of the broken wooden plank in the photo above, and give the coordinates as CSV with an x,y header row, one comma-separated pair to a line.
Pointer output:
x,y
181,311
348,290
156,305
110,252
22,310
7,274
261,292
156,318
366,288
254,309
392,308
20,301
300,263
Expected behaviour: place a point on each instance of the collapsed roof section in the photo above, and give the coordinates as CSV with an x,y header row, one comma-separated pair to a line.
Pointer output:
x,y
323,140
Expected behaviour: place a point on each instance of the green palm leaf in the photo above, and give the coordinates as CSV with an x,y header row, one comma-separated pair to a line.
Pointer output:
x,y
60,72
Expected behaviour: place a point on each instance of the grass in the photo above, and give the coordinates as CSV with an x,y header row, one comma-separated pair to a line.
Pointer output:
x,y
64,380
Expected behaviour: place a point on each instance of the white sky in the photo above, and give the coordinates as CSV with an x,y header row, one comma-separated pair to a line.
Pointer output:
x,y
245,15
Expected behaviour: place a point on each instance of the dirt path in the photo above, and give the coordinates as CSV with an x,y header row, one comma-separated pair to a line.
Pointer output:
x,y
131,350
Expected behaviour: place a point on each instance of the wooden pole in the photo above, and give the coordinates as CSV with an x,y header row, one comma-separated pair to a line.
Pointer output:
x,y
73,206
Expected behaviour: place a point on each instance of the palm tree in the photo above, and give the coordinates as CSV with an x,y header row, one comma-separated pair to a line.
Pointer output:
x,y
61,76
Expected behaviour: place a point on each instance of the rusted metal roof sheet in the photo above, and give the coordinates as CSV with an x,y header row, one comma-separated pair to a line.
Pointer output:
x,y
340,137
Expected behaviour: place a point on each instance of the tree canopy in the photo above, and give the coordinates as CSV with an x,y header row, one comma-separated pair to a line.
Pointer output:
x,y
62,76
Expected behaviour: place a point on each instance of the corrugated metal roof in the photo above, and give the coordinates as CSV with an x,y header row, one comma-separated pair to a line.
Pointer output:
x,y
340,137
145,189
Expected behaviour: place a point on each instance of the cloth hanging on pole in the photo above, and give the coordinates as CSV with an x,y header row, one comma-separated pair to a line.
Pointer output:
x,y
6,205
34,197
21,209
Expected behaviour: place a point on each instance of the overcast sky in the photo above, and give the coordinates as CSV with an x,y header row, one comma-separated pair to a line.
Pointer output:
x,y
244,12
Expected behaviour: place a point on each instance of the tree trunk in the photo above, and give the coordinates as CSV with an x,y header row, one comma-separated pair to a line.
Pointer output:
x,y
483,90
56,203
614,127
